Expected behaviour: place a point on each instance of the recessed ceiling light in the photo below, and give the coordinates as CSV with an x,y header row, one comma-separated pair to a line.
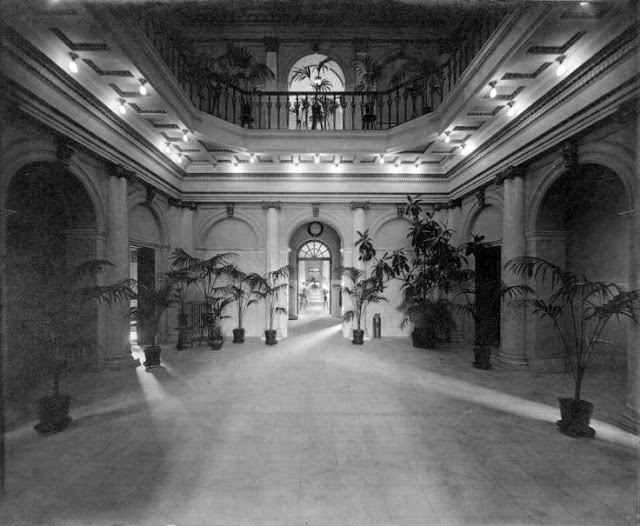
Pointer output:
x,y
511,111
316,158
143,88
185,135
252,159
494,92
73,66
562,69
381,158
447,137
122,109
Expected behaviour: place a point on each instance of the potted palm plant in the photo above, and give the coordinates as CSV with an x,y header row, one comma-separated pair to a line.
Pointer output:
x,y
240,68
579,310
214,320
209,276
243,288
361,291
269,287
370,74
183,280
152,303
70,296
319,84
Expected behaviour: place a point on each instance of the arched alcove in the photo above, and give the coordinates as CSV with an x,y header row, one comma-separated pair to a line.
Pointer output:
x,y
52,227
581,224
308,80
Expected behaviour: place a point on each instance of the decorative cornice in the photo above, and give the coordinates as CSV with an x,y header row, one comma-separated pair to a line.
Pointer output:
x,y
272,204
510,172
365,205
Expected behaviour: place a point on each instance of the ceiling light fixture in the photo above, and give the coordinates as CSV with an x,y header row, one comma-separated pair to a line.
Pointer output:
x,y
584,4
143,88
494,92
381,158
185,135
316,158
73,66
296,162
167,148
122,109
235,163
252,159
511,111
179,158
417,165
463,148
447,137
562,69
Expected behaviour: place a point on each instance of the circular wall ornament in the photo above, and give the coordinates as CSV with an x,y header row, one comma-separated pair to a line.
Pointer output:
x,y
315,229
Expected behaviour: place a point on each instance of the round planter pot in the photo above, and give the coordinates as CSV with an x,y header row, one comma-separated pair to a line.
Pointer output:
x,y
270,337
215,345
482,358
424,338
358,337
54,416
152,356
238,335
575,416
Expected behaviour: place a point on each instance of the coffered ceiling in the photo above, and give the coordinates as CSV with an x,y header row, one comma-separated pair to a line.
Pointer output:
x,y
113,60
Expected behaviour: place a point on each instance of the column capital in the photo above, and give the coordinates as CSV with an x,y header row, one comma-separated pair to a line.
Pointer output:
x,y
510,172
359,204
178,203
119,171
272,44
272,204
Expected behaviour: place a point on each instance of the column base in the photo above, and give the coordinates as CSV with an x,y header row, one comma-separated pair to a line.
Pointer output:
x,y
125,361
512,362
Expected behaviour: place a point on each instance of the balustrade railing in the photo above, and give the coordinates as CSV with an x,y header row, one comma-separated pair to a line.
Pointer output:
x,y
281,110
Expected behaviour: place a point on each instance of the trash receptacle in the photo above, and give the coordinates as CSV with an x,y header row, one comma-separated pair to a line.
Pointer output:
x,y
377,326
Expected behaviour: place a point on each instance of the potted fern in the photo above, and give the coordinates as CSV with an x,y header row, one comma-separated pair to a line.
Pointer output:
x,y
269,288
579,309
70,296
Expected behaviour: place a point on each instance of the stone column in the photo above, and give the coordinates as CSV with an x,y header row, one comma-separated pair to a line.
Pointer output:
x,y
272,250
632,403
512,324
118,350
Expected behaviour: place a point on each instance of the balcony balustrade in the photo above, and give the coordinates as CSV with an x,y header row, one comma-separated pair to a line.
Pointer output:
x,y
335,110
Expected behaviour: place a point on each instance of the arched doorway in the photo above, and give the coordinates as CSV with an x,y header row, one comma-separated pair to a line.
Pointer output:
x,y
51,229
314,278
310,80
314,251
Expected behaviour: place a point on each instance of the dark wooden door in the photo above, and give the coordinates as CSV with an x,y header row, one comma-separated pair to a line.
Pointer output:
x,y
488,279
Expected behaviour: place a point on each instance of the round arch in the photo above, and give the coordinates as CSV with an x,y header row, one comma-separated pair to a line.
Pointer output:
x,y
213,219
21,154
614,157
156,211
328,218
474,212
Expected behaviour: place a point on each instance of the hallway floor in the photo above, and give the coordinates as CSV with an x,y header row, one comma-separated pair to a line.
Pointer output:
x,y
317,431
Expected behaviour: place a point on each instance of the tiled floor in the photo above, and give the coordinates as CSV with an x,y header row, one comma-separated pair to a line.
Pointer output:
x,y
316,431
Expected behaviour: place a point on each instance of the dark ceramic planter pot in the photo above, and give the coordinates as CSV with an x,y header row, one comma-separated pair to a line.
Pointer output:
x,y
215,345
575,416
152,356
270,337
424,337
481,358
238,335
358,337
54,416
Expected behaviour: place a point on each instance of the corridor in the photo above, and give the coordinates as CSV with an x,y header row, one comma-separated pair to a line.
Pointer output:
x,y
317,431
